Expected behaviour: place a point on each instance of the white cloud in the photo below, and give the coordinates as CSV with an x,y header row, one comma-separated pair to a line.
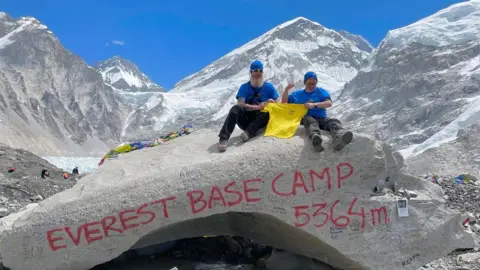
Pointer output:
x,y
118,42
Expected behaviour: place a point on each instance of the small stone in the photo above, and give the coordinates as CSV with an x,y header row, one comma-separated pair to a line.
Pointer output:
x,y
36,198
472,218
412,194
468,257
3,212
475,228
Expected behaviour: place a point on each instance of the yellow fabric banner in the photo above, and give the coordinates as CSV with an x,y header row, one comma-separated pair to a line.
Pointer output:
x,y
284,119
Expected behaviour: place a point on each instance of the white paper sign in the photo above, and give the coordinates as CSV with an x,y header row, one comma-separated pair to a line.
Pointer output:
x,y
402,206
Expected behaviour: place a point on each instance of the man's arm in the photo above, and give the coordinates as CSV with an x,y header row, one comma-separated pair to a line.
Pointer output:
x,y
274,95
285,93
241,102
285,96
324,104
241,96
327,103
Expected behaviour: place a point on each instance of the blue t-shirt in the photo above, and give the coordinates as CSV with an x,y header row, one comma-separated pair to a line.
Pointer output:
x,y
254,95
317,95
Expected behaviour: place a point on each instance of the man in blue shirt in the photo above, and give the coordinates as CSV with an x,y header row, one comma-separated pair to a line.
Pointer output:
x,y
251,99
317,100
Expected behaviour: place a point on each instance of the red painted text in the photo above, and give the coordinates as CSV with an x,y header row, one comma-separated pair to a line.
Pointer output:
x,y
226,196
319,216
302,184
97,230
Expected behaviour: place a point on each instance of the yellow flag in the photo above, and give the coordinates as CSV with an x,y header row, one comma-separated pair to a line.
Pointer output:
x,y
284,119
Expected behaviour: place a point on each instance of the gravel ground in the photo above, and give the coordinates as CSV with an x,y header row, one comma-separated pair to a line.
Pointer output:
x,y
24,185
466,199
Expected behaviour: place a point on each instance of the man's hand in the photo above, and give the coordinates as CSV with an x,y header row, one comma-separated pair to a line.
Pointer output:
x,y
309,105
285,92
258,107
271,101
289,86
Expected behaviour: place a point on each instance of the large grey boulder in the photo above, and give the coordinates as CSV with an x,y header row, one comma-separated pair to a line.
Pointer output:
x,y
255,190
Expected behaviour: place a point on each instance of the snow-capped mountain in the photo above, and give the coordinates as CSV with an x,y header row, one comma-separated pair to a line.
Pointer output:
x,y
422,83
51,101
288,51
124,75
358,40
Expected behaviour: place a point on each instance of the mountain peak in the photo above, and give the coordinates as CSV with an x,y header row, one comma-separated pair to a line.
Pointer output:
x,y
296,20
10,28
124,75
454,25
299,29
119,59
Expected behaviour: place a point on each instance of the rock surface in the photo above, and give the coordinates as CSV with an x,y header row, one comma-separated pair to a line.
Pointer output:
x,y
459,156
255,190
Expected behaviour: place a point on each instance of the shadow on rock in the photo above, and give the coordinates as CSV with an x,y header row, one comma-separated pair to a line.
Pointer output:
x,y
211,253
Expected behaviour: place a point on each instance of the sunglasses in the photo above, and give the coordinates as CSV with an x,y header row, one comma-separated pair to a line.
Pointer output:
x,y
257,70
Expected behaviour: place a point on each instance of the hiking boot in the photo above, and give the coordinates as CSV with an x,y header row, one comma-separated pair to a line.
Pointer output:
x,y
317,142
222,145
245,137
341,139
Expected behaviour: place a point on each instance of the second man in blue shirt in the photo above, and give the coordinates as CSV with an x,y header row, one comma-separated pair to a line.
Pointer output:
x,y
317,100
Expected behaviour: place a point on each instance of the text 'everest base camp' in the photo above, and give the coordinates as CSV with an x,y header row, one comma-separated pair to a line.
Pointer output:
x,y
315,204
360,207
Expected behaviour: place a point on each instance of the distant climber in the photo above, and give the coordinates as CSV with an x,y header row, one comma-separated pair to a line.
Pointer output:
x,y
75,171
317,100
251,99
65,175
44,174
11,170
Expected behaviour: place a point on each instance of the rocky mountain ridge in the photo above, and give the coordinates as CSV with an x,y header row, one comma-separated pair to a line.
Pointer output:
x,y
51,101
422,83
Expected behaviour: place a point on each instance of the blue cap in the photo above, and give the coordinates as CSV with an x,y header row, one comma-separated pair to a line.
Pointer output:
x,y
256,65
309,75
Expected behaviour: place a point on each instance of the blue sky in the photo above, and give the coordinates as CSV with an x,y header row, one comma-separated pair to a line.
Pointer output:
x,y
170,40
